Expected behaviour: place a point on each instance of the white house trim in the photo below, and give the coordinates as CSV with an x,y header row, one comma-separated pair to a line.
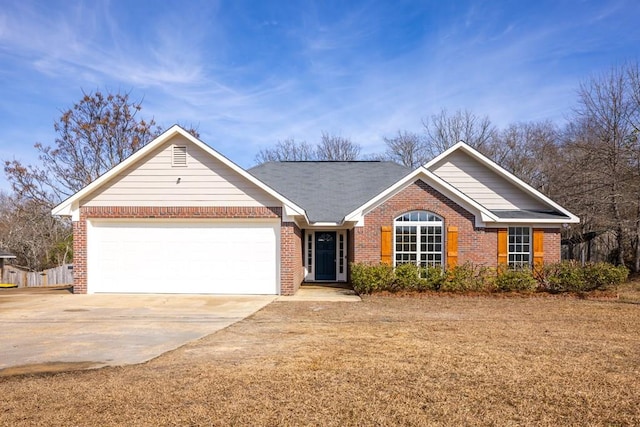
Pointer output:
x,y
309,253
510,177
70,207
481,213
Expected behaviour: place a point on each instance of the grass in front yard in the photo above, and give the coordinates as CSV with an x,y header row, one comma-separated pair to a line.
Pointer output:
x,y
630,291
386,361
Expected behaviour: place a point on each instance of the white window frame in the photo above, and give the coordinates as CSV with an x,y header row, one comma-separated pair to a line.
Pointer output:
x,y
418,220
310,253
519,247
342,254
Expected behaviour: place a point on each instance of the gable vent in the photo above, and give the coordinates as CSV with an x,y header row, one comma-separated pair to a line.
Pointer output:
x,y
179,155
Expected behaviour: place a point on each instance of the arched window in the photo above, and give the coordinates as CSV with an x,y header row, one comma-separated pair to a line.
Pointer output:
x,y
418,239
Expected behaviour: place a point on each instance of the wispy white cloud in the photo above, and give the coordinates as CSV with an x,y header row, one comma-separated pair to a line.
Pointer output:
x,y
250,74
89,40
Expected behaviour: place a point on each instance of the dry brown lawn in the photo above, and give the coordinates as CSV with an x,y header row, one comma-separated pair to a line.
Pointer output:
x,y
385,361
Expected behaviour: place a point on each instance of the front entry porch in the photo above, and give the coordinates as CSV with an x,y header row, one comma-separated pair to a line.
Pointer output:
x,y
325,255
335,292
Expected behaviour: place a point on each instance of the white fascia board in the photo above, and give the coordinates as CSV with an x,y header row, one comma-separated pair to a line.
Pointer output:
x,y
481,213
66,207
444,154
327,225
526,223
293,210
290,215
573,219
549,221
63,209
324,224
358,213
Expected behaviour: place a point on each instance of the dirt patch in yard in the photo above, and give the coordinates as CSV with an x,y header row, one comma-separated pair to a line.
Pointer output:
x,y
384,361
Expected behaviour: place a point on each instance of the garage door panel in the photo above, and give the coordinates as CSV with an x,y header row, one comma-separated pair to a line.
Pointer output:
x,y
183,257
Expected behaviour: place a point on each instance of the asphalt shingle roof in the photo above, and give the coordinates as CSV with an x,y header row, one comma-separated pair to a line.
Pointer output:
x,y
328,191
528,214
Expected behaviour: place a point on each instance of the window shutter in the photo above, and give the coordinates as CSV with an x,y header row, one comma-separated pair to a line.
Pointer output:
x,y
503,239
386,245
538,246
452,247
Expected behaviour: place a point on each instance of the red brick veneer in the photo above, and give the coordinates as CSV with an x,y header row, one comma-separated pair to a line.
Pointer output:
x,y
290,271
474,245
552,246
291,262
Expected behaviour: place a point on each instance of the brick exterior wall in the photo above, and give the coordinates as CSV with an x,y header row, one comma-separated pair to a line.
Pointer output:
x,y
80,256
291,261
478,246
552,247
475,245
291,266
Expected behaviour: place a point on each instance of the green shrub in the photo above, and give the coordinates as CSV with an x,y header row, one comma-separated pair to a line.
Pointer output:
x,y
563,276
369,278
566,276
602,275
408,278
518,280
468,278
366,279
570,276
433,277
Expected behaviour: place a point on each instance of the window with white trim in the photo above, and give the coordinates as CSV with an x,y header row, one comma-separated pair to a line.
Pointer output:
x,y
418,239
341,253
310,252
519,250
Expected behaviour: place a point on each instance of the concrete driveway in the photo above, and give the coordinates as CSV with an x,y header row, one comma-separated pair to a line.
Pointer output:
x,y
100,330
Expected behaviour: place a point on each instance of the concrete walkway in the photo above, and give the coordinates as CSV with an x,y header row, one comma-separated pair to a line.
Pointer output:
x,y
322,293
100,330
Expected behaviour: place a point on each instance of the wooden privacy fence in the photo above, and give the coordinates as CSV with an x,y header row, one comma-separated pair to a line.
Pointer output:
x,y
62,275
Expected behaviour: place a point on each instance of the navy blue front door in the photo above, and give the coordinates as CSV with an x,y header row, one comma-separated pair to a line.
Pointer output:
x,y
326,255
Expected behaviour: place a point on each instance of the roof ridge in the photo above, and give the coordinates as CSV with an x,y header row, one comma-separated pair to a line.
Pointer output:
x,y
328,161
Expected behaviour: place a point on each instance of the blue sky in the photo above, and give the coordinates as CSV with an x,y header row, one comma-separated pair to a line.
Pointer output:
x,y
250,73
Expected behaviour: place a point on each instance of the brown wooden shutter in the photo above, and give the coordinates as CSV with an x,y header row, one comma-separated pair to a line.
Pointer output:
x,y
452,247
386,245
538,246
503,239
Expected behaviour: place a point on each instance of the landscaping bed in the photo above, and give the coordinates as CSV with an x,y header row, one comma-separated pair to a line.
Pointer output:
x,y
563,277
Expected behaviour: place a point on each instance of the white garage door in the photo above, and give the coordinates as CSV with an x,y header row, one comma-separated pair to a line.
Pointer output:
x,y
183,257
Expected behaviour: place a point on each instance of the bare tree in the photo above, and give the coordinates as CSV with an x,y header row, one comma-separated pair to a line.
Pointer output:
x,y
28,230
94,135
529,151
407,148
603,179
444,130
287,150
336,148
